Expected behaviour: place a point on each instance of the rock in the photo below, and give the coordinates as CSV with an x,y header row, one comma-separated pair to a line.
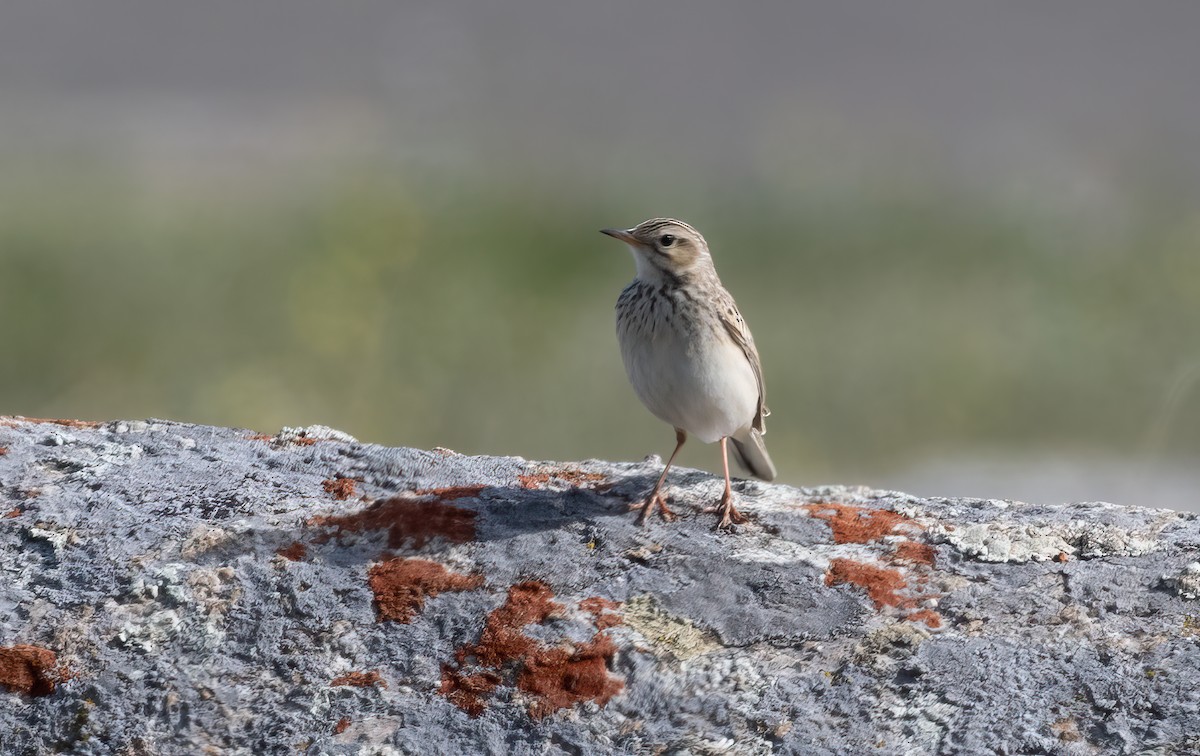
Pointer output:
x,y
171,588
1186,582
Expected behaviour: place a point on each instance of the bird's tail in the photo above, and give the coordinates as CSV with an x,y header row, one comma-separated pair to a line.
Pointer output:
x,y
751,453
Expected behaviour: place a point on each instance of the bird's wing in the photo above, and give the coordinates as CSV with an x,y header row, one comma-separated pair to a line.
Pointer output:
x,y
732,319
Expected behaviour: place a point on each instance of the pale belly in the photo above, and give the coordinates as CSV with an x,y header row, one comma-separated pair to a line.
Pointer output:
x,y
708,391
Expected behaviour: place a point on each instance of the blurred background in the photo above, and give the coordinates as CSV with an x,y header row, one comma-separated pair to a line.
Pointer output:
x,y
966,235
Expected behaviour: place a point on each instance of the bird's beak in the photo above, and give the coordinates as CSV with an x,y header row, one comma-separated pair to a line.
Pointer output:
x,y
617,233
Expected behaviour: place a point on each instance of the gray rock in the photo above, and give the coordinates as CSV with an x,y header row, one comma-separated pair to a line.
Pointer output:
x,y
170,588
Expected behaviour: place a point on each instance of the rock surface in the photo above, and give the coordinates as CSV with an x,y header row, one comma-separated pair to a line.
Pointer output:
x,y
171,588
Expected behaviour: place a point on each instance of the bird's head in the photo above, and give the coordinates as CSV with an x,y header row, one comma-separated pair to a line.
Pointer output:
x,y
663,248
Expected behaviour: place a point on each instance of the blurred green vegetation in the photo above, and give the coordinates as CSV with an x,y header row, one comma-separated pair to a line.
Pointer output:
x,y
895,323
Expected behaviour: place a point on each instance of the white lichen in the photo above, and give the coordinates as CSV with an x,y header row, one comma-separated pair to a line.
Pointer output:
x,y
1008,541
1185,583
151,632
57,537
313,433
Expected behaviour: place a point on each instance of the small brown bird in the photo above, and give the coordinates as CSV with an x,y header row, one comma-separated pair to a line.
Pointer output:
x,y
689,354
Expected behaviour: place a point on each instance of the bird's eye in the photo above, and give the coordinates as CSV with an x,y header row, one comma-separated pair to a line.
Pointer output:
x,y
666,240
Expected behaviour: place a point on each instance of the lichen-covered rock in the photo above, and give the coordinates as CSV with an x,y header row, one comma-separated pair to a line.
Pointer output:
x,y
1185,582
171,588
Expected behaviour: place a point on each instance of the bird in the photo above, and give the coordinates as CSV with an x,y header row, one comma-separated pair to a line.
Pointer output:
x,y
689,354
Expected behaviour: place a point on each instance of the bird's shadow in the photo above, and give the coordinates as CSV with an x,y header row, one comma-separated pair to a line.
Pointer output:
x,y
423,522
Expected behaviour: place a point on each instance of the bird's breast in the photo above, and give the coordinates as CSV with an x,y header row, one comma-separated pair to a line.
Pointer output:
x,y
683,365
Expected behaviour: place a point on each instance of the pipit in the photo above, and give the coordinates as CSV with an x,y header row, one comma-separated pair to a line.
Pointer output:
x,y
689,354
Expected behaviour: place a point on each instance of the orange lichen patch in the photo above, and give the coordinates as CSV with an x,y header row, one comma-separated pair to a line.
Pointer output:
x,y
31,670
3,450
534,480
1067,730
295,440
401,586
914,552
502,638
604,612
883,585
559,678
15,512
468,692
571,476
852,524
555,677
341,488
1062,556
13,421
360,680
416,521
295,552
342,725
928,616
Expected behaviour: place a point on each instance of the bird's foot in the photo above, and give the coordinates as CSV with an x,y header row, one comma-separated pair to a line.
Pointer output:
x,y
653,501
730,516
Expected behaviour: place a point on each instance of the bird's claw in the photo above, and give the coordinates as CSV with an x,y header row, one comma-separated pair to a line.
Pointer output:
x,y
730,516
654,501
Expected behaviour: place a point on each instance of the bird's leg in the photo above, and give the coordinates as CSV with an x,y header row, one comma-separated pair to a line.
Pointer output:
x,y
729,513
655,498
